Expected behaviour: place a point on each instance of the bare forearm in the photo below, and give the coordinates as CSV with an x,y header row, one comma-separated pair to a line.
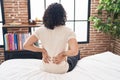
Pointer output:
x,y
33,48
73,48
70,53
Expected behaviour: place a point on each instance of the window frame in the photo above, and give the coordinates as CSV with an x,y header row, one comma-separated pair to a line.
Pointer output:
x,y
3,19
88,23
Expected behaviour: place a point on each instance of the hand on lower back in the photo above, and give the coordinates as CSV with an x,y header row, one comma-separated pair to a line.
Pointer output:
x,y
59,58
46,58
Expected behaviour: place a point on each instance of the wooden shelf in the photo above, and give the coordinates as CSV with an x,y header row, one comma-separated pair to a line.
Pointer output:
x,y
21,26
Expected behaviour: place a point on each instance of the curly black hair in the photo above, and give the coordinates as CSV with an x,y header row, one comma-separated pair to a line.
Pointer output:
x,y
54,16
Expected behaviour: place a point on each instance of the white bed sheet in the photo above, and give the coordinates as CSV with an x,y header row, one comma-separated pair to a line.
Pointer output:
x,y
103,66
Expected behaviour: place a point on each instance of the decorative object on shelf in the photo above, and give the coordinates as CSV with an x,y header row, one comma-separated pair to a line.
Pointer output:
x,y
108,17
36,21
32,22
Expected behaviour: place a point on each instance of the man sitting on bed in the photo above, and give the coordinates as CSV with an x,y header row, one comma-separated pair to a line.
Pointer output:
x,y
55,38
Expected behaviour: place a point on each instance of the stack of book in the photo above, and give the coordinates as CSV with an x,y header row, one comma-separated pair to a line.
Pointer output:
x,y
15,41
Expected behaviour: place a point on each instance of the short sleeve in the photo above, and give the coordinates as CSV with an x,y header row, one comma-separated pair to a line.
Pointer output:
x,y
71,35
37,33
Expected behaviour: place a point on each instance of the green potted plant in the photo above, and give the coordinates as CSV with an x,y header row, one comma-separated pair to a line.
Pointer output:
x,y
108,17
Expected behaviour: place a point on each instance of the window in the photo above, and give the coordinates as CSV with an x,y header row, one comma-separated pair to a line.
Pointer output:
x,y
1,23
77,15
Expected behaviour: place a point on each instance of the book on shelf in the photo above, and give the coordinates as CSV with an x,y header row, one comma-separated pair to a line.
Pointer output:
x,y
15,41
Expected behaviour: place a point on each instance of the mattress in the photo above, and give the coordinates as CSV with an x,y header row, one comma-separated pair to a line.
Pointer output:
x,y
102,66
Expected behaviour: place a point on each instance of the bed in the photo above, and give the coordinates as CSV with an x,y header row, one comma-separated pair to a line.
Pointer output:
x,y
103,66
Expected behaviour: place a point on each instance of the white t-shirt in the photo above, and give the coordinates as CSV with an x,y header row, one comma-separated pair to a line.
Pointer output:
x,y
55,41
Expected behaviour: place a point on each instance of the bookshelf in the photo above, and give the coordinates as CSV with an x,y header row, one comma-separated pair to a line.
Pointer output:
x,y
13,45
